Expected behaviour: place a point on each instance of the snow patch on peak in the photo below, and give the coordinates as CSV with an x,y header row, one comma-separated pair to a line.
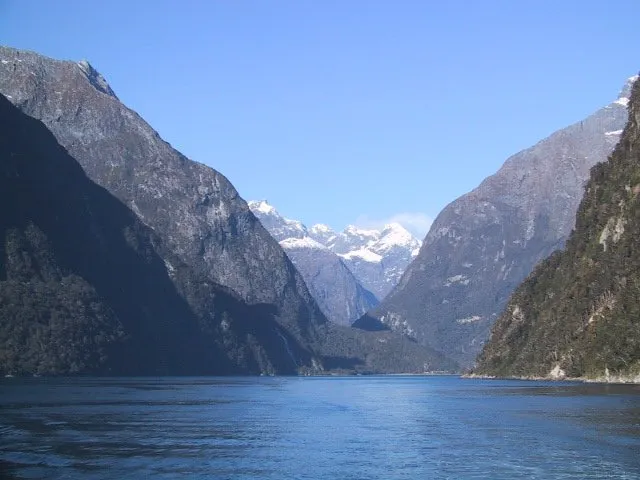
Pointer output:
x,y
361,232
321,228
262,206
394,226
614,132
362,254
624,101
297,243
625,93
395,235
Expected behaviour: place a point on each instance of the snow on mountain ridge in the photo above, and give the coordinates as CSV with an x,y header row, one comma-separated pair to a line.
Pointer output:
x,y
363,254
361,232
623,97
321,228
305,242
262,206
278,226
392,236
377,258
339,293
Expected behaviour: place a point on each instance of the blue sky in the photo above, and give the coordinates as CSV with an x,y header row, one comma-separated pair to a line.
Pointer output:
x,y
345,111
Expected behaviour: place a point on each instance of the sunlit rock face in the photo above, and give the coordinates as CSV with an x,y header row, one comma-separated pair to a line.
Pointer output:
x,y
482,245
577,314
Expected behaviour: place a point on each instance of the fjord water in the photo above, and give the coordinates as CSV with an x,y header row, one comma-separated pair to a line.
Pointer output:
x,y
392,427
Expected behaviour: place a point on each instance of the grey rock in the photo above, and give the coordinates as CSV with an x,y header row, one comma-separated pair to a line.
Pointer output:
x,y
194,209
482,245
86,288
577,314
213,247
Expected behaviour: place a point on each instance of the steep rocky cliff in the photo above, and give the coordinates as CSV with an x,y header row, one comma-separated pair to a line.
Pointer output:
x,y
578,313
482,245
86,287
195,211
180,278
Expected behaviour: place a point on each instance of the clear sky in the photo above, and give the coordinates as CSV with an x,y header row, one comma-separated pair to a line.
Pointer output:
x,y
339,111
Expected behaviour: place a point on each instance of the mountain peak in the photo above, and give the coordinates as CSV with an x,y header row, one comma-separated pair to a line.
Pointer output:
x,y
301,243
625,93
361,232
376,258
395,228
278,226
395,235
262,206
321,228
95,78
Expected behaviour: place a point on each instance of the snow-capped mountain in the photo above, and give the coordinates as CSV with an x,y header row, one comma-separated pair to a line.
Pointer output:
x,y
377,258
337,291
279,227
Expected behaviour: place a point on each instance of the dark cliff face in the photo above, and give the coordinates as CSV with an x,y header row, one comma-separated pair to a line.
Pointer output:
x,y
483,244
578,313
195,211
86,287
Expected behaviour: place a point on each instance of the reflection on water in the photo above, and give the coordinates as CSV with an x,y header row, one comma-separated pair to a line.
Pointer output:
x,y
316,428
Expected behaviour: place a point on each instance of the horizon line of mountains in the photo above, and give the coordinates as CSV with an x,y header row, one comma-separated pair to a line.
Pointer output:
x,y
121,256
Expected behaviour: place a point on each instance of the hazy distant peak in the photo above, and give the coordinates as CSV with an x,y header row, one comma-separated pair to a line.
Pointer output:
x,y
396,229
376,257
262,206
301,243
361,232
395,235
321,228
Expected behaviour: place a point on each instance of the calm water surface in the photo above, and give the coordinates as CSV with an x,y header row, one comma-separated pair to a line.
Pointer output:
x,y
317,428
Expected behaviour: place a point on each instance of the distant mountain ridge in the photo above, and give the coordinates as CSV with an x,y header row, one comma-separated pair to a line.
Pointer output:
x,y
338,266
578,313
482,245
377,258
339,294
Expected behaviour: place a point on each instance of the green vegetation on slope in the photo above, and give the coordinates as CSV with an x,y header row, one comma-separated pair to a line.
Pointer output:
x,y
578,313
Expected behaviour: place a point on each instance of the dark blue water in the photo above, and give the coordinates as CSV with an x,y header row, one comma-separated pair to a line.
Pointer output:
x,y
317,428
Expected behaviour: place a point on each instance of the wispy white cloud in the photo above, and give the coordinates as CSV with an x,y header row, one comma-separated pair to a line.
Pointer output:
x,y
417,223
